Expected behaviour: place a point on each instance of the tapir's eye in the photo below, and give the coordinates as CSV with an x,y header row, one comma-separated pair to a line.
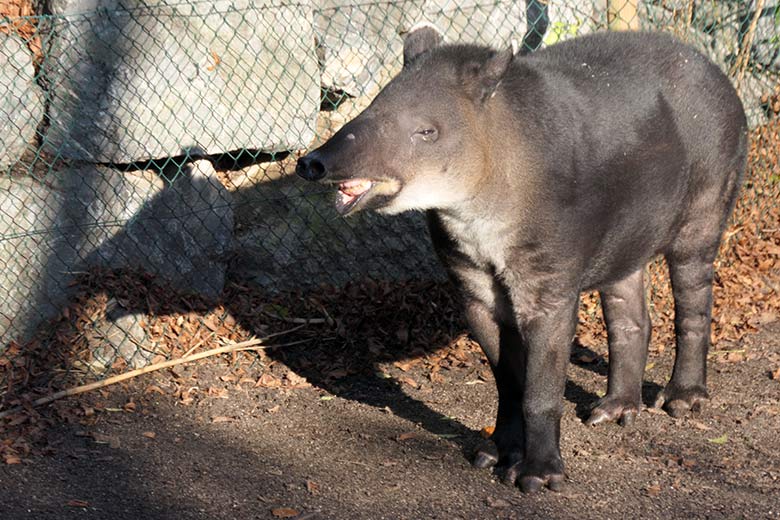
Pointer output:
x,y
427,134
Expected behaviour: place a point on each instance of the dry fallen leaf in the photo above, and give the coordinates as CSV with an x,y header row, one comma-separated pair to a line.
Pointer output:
x,y
222,418
285,512
18,419
586,358
12,459
149,435
735,357
111,440
653,490
487,431
405,436
218,393
216,62
435,377
154,389
403,366
295,380
77,503
498,503
312,487
338,373
409,381
268,380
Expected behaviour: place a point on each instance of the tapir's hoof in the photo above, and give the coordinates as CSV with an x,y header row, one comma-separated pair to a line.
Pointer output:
x,y
532,481
484,459
614,409
679,401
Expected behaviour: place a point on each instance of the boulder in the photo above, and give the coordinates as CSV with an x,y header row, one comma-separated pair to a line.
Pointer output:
x,y
119,335
92,216
291,238
360,44
181,234
132,81
21,102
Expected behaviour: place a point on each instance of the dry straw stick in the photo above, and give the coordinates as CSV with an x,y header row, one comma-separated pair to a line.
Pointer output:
x,y
251,344
741,63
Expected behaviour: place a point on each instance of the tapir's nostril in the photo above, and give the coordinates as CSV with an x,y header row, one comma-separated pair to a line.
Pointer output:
x,y
310,168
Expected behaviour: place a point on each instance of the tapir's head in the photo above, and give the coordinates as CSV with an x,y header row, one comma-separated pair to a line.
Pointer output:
x,y
423,143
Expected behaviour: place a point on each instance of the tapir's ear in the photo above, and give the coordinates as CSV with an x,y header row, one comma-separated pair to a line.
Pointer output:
x,y
482,79
420,39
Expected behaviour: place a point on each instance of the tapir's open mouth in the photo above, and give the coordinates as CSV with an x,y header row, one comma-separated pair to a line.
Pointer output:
x,y
354,194
350,193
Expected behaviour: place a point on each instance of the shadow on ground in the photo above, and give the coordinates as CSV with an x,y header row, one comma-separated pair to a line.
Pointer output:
x,y
265,453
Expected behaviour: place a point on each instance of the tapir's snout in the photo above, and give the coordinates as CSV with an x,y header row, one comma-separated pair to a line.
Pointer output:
x,y
354,161
310,167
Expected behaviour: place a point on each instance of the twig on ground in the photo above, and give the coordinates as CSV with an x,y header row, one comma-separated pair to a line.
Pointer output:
x,y
328,319
251,344
265,338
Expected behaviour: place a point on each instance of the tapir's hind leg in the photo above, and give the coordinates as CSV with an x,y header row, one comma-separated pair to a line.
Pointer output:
x,y
692,286
690,260
628,329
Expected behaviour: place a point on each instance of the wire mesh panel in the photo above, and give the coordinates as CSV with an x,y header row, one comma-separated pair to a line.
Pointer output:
x,y
147,151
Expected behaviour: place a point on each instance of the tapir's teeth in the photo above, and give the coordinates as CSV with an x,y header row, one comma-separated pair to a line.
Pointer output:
x,y
355,187
350,192
345,198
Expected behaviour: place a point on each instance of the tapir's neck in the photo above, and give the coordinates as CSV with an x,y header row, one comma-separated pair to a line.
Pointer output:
x,y
479,233
504,197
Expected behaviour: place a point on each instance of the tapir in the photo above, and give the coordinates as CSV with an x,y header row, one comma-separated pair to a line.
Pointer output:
x,y
546,175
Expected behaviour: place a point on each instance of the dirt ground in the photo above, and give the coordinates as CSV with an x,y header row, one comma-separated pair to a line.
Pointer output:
x,y
392,442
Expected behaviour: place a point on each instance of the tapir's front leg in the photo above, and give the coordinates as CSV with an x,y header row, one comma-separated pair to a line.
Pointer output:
x,y
546,342
494,338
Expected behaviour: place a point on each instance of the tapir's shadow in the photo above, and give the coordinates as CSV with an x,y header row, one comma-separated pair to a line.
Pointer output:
x,y
360,383
355,367
389,394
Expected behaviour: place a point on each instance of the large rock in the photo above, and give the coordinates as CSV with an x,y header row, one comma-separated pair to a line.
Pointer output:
x,y
118,334
26,222
95,216
131,82
21,100
181,234
361,46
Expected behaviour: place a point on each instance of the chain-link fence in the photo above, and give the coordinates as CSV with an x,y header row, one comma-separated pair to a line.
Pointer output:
x,y
146,152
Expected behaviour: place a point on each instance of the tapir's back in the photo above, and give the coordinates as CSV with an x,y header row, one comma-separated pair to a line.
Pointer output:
x,y
648,131
619,79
